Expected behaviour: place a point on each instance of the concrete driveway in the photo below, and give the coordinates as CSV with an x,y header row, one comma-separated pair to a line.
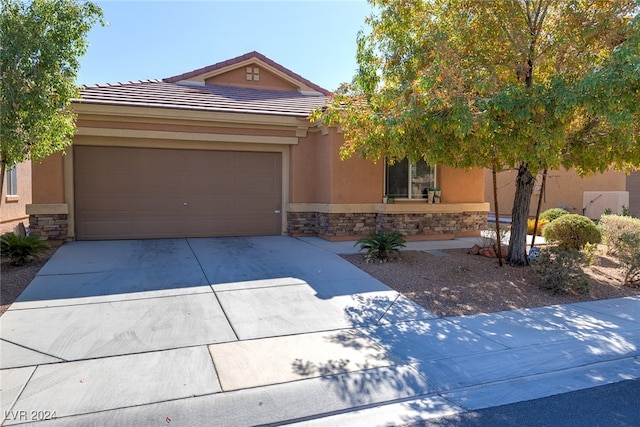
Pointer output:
x,y
274,330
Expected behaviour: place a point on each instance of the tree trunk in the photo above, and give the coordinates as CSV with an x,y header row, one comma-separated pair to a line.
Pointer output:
x,y
525,182
535,225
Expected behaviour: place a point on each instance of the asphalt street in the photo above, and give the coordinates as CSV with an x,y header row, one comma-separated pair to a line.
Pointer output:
x,y
612,405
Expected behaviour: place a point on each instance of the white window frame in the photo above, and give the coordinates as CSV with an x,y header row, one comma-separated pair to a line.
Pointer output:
x,y
410,168
11,181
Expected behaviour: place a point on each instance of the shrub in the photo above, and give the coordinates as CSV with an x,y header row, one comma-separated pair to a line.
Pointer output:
x,y
627,212
553,214
542,222
572,231
613,227
561,271
589,251
629,256
380,245
21,249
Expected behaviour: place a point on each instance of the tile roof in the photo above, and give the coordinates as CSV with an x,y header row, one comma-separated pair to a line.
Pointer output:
x,y
240,59
165,94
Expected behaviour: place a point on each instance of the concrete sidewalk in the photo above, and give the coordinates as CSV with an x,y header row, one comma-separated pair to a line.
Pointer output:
x,y
275,330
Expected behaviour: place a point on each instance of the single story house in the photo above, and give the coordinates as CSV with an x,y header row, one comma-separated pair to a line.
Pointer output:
x,y
228,150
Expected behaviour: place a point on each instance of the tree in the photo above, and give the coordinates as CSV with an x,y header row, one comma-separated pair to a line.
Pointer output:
x,y
521,84
40,43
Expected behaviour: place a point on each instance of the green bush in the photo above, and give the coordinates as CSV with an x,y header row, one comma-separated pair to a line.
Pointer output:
x,y
629,256
380,245
572,231
21,249
553,214
613,227
561,270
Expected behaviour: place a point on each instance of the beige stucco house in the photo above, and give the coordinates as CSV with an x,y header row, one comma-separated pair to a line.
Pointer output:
x,y
228,150
16,195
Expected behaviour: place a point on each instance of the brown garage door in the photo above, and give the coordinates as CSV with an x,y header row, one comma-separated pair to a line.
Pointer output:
x,y
132,193
633,187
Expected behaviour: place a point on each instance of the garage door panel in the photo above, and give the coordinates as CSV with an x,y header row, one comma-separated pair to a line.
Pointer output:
x,y
150,207
265,186
109,229
100,205
157,227
124,193
165,182
106,159
197,185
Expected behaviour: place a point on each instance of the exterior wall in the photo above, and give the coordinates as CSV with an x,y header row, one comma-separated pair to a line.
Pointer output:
x,y
12,209
461,186
415,221
354,180
48,180
305,163
342,199
318,175
48,215
564,188
49,226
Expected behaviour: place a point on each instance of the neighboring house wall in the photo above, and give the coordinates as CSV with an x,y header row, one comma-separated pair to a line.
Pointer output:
x,y
12,210
564,189
633,187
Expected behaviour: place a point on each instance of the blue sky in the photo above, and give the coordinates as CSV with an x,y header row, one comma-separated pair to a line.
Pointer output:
x,y
156,39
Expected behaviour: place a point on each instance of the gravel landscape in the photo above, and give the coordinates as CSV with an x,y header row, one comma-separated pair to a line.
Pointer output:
x,y
460,283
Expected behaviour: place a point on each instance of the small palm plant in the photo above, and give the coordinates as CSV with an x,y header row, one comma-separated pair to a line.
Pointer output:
x,y
380,245
21,249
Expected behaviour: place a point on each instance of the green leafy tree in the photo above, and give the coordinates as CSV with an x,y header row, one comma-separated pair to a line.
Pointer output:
x,y
512,84
40,43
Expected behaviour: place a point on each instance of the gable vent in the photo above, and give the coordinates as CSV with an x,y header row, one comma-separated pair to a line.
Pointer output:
x,y
253,74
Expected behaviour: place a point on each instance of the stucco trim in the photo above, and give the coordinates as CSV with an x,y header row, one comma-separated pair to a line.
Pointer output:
x,y
47,209
395,208
69,193
166,135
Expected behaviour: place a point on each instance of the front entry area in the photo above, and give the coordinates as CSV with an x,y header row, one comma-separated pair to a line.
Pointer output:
x,y
141,193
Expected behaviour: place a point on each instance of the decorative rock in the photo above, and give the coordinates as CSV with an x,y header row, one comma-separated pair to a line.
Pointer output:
x,y
488,252
475,249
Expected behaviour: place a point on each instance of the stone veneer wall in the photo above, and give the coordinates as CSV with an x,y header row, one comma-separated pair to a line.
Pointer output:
x,y
363,224
49,226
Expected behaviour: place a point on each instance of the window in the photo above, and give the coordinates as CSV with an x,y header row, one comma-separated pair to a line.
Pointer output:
x,y
409,180
12,182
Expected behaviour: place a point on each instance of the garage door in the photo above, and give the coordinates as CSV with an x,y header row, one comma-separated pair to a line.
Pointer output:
x,y
633,187
131,193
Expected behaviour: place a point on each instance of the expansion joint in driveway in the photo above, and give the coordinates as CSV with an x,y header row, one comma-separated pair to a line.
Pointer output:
x,y
235,333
